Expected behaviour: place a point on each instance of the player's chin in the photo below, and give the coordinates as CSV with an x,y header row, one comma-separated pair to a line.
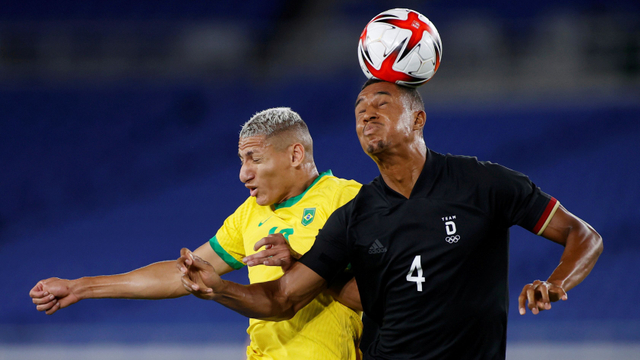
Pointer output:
x,y
263,200
375,147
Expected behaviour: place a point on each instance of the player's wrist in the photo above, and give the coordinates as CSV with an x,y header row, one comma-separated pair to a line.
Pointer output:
x,y
78,288
220,290
556,282
85,288
221,286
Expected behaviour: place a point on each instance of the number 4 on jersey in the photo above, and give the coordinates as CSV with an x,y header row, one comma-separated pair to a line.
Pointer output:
x,y
416,266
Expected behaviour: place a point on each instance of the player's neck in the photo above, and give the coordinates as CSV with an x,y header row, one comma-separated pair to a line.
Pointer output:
x,y
301,180
310,174
400,171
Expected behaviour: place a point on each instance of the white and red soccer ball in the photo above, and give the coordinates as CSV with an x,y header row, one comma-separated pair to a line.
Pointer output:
x,y
400,46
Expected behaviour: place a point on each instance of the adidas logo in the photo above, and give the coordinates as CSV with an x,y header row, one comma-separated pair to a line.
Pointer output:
x,y
377,248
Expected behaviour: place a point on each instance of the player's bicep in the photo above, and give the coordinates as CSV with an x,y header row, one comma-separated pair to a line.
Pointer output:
x,y
299,285
345,290
206,253
561,224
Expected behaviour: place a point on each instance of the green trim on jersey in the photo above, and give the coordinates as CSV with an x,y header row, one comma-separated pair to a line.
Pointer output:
x,y
230,260
295,199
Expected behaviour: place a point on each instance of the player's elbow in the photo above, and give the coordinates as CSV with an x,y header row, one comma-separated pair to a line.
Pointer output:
x,y
592,245
293,304
283,309
598,244
595,240
283,306
291,293
589,239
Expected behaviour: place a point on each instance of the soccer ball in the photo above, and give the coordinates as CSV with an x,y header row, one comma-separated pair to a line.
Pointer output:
x,y
400,46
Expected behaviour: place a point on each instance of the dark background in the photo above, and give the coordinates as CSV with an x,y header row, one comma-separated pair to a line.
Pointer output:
x,y
119,125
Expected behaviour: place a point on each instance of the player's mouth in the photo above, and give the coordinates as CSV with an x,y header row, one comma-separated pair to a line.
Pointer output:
x,y
370,128
252,190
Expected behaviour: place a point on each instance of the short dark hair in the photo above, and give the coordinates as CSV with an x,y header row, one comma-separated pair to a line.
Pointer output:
x,y
411,93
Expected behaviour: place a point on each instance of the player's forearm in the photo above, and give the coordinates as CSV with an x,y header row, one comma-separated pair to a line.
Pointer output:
x,y
582,249
259,301
160,280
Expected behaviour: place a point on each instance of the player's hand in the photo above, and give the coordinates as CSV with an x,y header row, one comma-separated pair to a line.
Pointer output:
x,y
198,276
539,295
52,294
277,252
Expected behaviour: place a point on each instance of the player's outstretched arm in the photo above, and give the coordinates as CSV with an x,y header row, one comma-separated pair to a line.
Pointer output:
x,y
273,300
582,247
159,280
278,252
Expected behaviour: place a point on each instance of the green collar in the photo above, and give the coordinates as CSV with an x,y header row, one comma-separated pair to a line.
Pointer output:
x,y
292,201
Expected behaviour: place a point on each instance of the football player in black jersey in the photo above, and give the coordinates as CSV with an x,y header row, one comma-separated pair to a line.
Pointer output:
x,y
427,241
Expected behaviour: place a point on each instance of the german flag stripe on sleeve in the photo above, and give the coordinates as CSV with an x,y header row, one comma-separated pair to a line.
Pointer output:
x,y
546,217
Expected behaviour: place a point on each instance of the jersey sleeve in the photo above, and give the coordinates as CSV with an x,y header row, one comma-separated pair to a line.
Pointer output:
x,y
329,254
228,242
518,201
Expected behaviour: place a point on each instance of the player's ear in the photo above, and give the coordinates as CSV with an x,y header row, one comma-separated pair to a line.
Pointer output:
x,y
297,154
419,119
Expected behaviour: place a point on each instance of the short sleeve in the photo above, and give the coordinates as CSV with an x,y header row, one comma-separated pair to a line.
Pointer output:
x,y
329,254
228,242
518,201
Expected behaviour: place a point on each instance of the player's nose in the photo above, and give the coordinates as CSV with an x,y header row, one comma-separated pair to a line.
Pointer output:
x,y
246,173
361,118
369,114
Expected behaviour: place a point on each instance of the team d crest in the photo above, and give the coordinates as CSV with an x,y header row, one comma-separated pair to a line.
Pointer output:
x,y
308,215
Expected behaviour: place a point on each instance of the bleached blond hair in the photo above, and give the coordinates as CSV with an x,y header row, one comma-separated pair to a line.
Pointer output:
x,y
276,122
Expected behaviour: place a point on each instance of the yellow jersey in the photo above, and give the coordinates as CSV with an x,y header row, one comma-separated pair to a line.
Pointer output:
x,y
322,330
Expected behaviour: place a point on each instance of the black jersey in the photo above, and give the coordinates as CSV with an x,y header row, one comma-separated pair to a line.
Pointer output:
x,y
432,269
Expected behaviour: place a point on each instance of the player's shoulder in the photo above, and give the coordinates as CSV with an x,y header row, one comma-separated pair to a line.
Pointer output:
x,y
461,169
333,184
471,166
337,191
328,179
459,162
369,197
